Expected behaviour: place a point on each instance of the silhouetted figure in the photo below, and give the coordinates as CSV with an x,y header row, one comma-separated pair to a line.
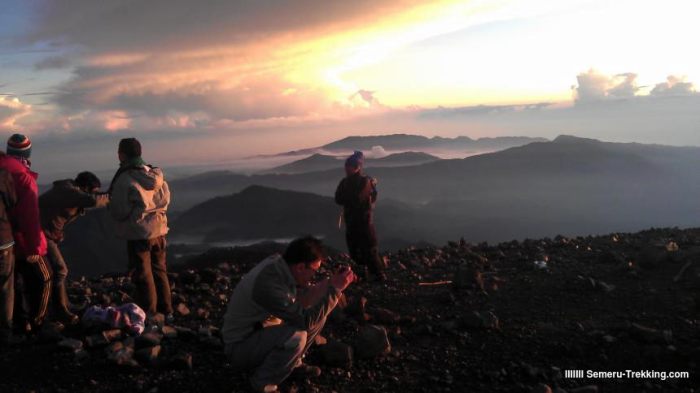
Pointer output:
x,y
8,199
139,199
62,204
357,193
33,278
274,314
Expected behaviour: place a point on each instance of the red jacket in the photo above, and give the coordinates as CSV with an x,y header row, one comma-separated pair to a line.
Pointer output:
x,y
24,216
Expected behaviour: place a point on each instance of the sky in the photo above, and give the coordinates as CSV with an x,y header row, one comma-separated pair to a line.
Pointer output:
x,y
208,82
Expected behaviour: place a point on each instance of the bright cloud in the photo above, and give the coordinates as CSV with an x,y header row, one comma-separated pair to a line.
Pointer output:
x,y
674,86
11,109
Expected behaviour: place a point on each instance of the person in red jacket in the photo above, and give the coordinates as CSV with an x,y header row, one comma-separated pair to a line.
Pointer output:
x,y
33,277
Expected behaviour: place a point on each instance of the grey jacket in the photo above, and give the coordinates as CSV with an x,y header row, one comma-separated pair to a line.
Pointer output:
x,y
268,292
139,201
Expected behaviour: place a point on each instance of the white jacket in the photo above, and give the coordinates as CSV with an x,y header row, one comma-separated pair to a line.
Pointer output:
x,y
139,201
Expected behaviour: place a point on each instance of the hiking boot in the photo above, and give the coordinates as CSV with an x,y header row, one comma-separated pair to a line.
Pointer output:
x,y
306,371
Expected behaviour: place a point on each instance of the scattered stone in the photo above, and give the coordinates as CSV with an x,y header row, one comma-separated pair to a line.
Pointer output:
x,y
96,341
481,320
169,332
51,332
70,345
112,334
185,333
541,388
372,341
182,309
336,354
182,361
148,356
147,340
385,316
202,313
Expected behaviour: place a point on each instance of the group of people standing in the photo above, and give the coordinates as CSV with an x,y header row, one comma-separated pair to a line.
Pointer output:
x,y
32,269
275,311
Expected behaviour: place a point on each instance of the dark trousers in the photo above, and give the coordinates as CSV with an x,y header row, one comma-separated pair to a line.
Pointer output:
x,y
362,245
7,288
148,272
32,290
60,272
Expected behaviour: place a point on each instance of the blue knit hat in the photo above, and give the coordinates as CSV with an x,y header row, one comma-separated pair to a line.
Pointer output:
x,y
19,146
356,160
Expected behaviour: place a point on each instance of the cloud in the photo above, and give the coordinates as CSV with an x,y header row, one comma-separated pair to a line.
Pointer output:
x,y
674,86
596,86
377,152
53,62
366,96
125,25
223,61
11,109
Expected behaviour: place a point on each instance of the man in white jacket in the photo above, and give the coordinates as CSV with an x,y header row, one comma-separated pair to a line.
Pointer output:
x,y
139,199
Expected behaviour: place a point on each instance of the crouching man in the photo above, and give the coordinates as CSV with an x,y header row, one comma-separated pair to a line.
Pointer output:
x,y
268,327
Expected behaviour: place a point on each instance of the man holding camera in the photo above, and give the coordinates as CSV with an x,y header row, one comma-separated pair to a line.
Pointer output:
x,y
268,325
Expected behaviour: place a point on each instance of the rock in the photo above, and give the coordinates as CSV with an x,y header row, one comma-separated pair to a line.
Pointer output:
x,y
672,247
112,335
372,341
182,309
336,354
481,320
147,340
202,313
185,333
385,316
157,319
148,356
70,345
169,332
114,348
122,356
651,335
604,286
182,361
541,388
357,309
96,341
468,277
51,332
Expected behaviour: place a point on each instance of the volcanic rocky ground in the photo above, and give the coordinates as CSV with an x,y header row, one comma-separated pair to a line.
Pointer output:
x,y
460,318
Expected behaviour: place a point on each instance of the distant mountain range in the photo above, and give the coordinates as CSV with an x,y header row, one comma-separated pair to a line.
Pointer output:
x,y
407,142
320,162
569,186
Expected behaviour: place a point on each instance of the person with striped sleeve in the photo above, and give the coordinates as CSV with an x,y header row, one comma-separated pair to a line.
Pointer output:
x,y
33,272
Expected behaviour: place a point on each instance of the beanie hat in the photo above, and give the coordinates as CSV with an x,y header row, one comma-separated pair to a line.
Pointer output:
x,y
130,147
19,145
356,160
